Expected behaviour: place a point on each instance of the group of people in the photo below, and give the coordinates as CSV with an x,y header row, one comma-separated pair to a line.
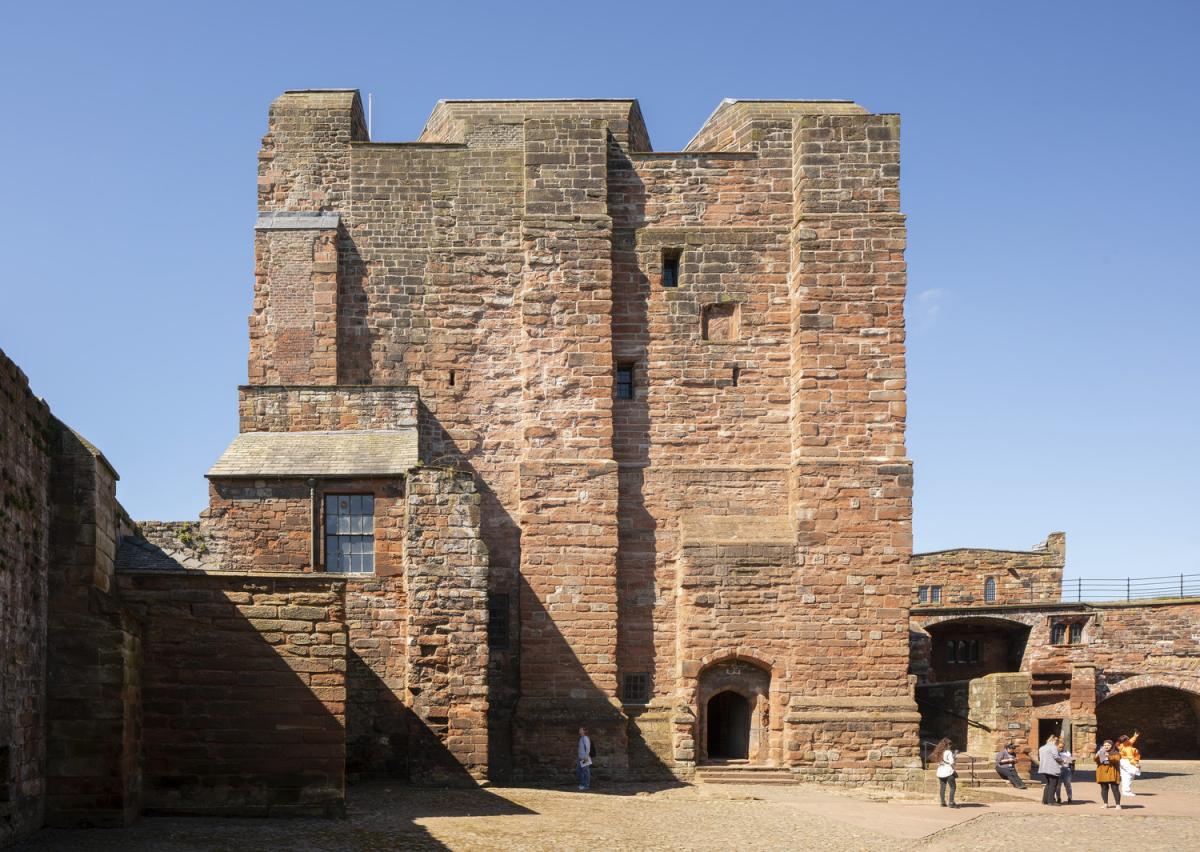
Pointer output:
x,y
1117,764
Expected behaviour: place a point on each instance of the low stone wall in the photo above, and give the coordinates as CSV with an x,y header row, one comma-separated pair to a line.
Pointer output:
x,y
244,685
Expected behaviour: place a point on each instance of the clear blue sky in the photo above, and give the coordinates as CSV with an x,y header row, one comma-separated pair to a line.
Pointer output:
x,y
1050,176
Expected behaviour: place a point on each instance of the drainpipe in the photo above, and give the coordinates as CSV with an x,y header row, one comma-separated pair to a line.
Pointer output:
x,y
315,526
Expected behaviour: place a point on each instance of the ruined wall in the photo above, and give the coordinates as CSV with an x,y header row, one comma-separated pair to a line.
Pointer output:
x,y
244,692
1020,576
25,433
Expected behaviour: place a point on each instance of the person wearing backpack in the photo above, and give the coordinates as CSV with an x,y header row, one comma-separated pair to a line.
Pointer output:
x,y
584,753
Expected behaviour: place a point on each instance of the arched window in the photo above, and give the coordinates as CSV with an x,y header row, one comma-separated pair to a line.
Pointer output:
x,y
989,590
1058,633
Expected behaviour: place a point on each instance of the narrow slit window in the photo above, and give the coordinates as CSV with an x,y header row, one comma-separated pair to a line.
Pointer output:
x,y
974,648
952,651
452,378
498,616
350,533
735,375
624,383
989,590
670,267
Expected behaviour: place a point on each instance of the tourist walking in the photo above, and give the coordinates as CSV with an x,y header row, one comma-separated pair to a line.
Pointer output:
x,y
944,755
1131,760
1067,761
583,760
1006,766
1108,761
1050,768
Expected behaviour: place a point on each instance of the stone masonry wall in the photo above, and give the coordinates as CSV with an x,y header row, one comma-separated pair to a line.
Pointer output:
x,y
1021,576
244,692
25,427
508,262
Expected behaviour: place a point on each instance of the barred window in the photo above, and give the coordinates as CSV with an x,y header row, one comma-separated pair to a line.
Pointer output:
x,y
624,385
635,688
350,533
498,621
989,590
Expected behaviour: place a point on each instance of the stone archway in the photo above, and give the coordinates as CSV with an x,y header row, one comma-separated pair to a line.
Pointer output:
x,y
734,712
1165,709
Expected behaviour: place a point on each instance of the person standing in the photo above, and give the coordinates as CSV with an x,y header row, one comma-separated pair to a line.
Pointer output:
x,y
944,755
1050,768
1006,766
583,760
1131,760
1067,761
1108,762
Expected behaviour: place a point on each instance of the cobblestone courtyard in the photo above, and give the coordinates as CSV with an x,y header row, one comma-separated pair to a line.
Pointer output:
x,y
1165,815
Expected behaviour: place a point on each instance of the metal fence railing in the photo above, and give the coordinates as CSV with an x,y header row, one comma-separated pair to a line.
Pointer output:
x,y
1131,588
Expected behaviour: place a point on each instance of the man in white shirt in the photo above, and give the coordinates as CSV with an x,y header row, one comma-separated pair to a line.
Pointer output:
x,y
583,760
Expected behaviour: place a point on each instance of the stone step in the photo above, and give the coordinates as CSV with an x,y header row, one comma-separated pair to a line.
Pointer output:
x,y
735,773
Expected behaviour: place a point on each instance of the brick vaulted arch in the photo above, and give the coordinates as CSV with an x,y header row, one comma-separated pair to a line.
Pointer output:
x,y
1165,708
1185,683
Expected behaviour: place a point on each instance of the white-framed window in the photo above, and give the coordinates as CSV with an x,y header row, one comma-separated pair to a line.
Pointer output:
x,y
350,533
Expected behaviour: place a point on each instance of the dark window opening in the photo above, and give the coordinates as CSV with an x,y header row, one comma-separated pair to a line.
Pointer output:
x,y
736,374
989,590
1058,633
497,626
350,533
973,649
952,651
635,688
452,377
670,267
624,384
1076,633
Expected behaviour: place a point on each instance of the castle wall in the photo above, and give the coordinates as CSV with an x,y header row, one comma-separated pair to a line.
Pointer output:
x,y
1020,576
25,424
244,692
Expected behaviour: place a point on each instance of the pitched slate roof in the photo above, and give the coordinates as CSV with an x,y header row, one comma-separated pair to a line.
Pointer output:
x,y
344,453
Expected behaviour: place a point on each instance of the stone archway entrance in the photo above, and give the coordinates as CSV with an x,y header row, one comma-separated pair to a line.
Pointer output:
x,y
728,727
734,712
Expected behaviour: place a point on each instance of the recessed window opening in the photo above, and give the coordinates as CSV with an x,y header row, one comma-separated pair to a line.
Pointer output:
x,y
624,383
923,594
670,266
1058,633
1076,633
719,322
989,590
736,374
635,688
452,377
350,533
498,614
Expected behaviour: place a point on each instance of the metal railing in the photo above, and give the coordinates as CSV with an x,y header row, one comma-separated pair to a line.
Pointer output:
x,y
1080,589
1070,590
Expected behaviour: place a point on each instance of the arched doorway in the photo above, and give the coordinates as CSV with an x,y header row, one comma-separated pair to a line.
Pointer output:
x,y
728,726
1168,718
735,714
